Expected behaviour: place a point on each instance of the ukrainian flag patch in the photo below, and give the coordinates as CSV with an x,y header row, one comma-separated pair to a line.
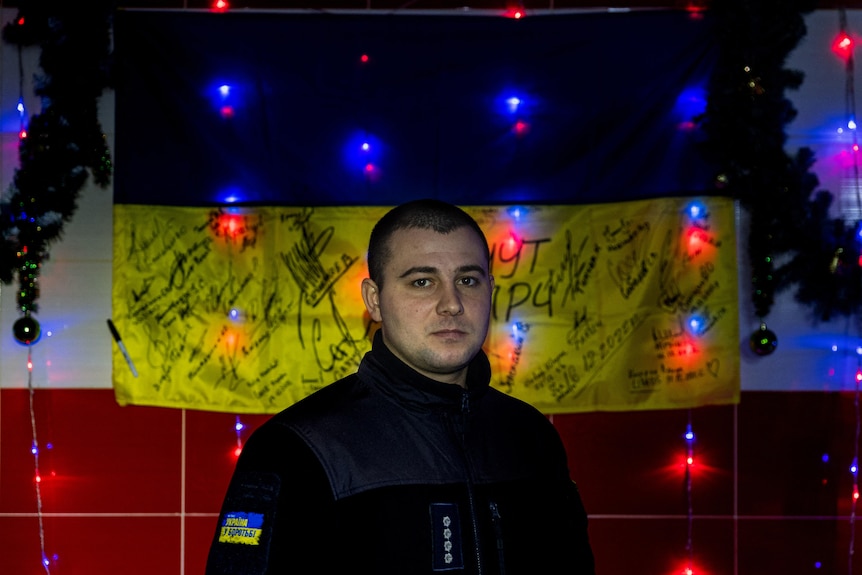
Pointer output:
x,y
241,527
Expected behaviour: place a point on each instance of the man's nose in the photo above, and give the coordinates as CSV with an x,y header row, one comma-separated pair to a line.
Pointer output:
x,y
450,301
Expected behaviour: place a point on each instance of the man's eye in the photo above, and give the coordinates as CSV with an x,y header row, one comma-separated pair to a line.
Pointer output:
x,y
422,282
469,281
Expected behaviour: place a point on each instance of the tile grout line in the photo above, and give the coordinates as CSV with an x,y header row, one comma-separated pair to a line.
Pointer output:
x,y
591,516
183,494
736,489
105,514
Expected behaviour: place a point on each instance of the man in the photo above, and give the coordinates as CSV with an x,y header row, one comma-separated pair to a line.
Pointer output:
x,y
414,464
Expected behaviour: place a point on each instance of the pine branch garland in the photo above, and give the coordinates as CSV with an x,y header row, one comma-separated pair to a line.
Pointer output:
x,y
64,142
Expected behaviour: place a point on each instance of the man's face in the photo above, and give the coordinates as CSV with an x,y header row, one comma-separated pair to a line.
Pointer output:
x,y
435,303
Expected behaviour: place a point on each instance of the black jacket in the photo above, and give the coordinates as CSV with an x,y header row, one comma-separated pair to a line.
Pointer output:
x,y
389,472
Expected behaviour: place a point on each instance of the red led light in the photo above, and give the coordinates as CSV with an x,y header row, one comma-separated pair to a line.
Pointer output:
x,y
521,128
22,134
230,225
226,112
515,12
220,6
694,241
364,58
237,451
843,46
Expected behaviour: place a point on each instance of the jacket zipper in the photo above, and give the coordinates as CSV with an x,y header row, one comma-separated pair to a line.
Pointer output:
x,y
474,522
498,533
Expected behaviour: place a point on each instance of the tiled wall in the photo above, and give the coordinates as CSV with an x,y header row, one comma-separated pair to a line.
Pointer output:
x,y
136,490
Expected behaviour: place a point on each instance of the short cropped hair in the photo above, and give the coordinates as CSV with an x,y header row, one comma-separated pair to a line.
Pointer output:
x,y
426,214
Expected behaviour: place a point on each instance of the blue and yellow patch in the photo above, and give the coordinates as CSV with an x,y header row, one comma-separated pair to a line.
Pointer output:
x,y
241,527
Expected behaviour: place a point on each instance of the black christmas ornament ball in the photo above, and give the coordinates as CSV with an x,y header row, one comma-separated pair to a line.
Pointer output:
x,y
763,341
26,330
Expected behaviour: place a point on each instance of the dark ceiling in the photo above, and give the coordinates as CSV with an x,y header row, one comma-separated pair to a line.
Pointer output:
x,y
453,4
436,4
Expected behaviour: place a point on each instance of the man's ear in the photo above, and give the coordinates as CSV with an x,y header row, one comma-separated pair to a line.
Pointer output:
x,y
371,297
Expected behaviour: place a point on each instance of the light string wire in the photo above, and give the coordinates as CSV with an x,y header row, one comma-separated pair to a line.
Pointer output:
x,y
850,108
855,498
689,460
35,449
37,478
20,105
850,111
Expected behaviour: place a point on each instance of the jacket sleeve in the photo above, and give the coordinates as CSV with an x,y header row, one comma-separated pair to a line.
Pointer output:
x,y
579,544
276,511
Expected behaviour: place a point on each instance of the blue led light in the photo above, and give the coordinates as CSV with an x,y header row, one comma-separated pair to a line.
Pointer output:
x,y
696,324
230,195
690,103
696,210
518,212
363,154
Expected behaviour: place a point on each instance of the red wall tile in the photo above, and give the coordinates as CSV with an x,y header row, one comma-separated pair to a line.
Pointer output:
x,y
118,497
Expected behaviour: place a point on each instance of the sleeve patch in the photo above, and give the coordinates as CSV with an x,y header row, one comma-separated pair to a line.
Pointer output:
x,y
241,527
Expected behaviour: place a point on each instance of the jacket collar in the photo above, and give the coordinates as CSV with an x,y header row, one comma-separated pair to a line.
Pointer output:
x,y
398,381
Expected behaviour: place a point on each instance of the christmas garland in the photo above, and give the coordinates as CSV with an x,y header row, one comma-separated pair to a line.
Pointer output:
x,y
61,142
792,240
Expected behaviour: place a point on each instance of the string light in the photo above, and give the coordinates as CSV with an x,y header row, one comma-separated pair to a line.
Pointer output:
x,y
521,128
238,426
843,45
854,468
689,449
34,449
513,103
515,12
22,112
696,210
